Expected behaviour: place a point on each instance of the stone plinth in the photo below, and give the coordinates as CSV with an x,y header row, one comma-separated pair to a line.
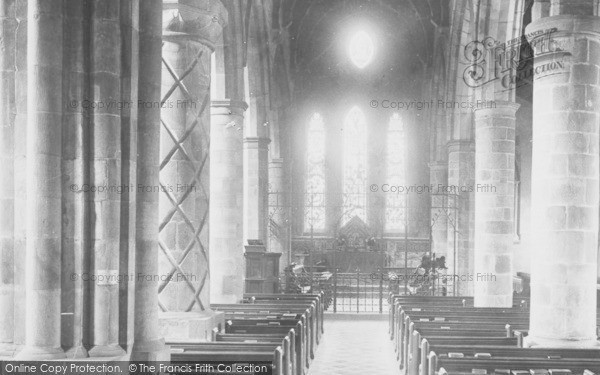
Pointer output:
x,y
190,325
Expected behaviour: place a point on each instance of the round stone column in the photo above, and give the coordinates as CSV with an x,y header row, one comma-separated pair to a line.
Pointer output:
x,y
105,170
227,263
494,204
438,175
256,181
566,113
278,212
8,24
461,167
148,344
43,170
190,29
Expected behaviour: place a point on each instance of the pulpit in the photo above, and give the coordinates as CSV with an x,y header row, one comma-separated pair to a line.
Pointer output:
x,y
262,269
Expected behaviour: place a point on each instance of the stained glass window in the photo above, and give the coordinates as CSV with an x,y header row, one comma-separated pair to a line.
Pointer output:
x,y
355,166
395,203
315,175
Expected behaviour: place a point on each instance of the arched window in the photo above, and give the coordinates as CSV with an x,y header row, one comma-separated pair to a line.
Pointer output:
x,y
395,210
355,166
315,175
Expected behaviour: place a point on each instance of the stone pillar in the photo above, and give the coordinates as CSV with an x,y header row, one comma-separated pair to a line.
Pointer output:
x,y
43,212
227,263
461,167
278,212
148,344
256,181
190,29
438,175
566,112
105,167
494,204
75,166
8,24
20,169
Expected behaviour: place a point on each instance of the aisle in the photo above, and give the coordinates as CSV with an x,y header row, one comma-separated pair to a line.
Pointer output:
x,y
355,344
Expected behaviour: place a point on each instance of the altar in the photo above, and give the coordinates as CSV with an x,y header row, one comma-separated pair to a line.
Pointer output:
x,y
356,246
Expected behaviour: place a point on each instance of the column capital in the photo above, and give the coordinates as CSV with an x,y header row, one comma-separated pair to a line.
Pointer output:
x,y
199,20
501,108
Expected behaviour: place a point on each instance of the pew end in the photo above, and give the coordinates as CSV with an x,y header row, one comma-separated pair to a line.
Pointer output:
x,y
519,336
432,361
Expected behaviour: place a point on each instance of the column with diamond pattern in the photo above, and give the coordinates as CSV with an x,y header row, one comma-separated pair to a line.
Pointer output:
x,y
189,31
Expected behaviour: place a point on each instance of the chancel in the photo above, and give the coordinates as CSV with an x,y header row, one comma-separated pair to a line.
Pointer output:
x,y
300,187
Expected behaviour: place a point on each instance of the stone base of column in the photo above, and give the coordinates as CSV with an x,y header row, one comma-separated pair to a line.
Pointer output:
x,y
181,326
151,351
107,351
77,352
537,342
40,353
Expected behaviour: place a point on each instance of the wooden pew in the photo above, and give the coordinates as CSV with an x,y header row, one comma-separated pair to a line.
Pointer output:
x,y
429,324
265,320
288,359
275,356
493,365
470,351
293,300
413,338
307,317
409,336
483,329
516,317
258,331
278,330
301,360
317,298
311,302
439,304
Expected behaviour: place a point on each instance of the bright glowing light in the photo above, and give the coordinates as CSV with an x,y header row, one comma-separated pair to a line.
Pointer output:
x,y
361,49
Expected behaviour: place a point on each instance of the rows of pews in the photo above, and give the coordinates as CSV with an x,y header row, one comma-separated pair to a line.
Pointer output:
x,y
448,335
282,329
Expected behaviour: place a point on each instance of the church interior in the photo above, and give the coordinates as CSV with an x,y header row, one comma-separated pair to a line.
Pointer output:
x,y
300,187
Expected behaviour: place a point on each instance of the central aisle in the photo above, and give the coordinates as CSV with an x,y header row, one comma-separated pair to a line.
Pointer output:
x,y
355,344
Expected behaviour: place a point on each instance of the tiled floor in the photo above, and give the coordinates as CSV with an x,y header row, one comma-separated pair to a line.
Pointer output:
x,y
355,344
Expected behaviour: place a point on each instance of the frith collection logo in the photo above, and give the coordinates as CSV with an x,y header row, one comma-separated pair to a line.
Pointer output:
x,y
511,62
